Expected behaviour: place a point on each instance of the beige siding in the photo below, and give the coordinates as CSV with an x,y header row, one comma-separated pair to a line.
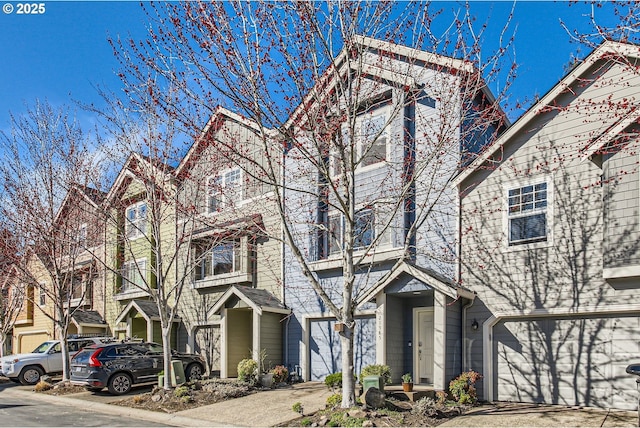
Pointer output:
x,y
271,338
541,286
239,345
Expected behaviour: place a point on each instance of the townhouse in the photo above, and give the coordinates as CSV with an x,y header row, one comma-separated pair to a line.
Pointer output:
x,y
67,280
548,232
400,150
232,307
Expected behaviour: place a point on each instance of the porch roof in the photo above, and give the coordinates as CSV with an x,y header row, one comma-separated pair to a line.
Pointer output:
x,y
147,308
88,318
257,299
435,280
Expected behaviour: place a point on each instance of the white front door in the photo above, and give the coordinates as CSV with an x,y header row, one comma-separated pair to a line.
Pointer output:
x,y
423,340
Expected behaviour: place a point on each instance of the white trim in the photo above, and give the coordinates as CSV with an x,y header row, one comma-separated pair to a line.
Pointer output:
x,y
549,212
133,231
489,323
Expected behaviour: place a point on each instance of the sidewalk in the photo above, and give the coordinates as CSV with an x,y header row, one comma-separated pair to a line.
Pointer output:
x,y
268,408
533,415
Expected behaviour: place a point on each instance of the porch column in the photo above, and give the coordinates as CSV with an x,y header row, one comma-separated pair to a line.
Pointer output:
x,y
381,328
255,339
439,340
223,344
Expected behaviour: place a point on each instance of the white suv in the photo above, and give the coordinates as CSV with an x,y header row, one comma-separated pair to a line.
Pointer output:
x,y
45,359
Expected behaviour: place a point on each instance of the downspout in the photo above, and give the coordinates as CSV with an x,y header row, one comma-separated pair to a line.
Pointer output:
x,y
282,267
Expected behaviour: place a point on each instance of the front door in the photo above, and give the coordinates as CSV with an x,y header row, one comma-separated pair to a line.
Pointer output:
x,y
423,358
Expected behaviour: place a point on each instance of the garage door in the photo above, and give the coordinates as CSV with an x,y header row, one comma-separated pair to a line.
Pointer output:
x,y
324,346
567,361
207,344
29,342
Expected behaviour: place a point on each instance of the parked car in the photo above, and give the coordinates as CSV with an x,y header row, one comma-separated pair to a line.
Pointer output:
x,y
45,359
119,366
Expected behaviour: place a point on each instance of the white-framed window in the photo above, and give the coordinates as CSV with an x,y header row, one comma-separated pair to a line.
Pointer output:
x,y
136,225
42,294
364,231
133,275
222,258
224,190
372,145
527,213
82,235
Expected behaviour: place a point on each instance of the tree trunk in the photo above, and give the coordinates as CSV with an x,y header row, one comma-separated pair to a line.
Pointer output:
x,y
166,351
348,383
3,340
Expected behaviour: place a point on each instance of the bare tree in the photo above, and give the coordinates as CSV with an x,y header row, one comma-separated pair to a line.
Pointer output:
x,y
312,77
47,160
11,296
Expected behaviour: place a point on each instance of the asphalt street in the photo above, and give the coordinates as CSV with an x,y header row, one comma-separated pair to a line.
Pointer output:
x,y
25,412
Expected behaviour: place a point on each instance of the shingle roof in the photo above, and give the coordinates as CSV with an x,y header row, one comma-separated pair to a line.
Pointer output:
x,y
87,317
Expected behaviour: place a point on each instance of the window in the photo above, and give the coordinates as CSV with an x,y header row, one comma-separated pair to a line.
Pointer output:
x,y
82,235
335,234
136,220
373,140
42,296
132,276
364,231
528,214
223,190
221,259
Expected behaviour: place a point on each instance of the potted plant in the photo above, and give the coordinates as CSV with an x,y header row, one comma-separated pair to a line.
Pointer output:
x,y
407,382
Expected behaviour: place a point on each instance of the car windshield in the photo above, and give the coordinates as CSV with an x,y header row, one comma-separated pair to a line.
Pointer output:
x,y
43,348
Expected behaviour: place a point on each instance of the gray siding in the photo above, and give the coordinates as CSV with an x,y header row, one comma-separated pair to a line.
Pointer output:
x,y
271,338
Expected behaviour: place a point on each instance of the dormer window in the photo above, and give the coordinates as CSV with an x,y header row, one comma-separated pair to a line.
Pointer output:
x,y
224,190
136,226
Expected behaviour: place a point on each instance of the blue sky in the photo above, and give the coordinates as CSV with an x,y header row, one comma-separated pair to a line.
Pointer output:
x,y
62,54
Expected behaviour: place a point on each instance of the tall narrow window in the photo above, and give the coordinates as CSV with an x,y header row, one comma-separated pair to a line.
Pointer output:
x,y
136,220
82,235
364,231
335,233
42,296
528,214
373,140
224,190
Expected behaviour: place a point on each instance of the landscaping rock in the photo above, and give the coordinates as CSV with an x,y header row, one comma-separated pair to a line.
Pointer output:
x,y
374,398
357,413
368,423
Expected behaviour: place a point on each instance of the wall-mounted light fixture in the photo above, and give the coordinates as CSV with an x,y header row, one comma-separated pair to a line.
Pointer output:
x,y
474,325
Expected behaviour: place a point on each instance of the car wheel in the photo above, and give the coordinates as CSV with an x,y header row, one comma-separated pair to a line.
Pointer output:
x,y
30,375
194,371
119,384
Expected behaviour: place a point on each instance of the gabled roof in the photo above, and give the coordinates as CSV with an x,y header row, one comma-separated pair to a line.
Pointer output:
x,y
93,196
604,52
257,299
340,67
128,173
147,308
427,276
218,118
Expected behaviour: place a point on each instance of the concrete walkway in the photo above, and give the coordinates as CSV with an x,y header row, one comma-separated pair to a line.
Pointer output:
x,y
532,415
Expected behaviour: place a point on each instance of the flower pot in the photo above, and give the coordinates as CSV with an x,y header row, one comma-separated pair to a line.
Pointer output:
x,y
407,387
266,380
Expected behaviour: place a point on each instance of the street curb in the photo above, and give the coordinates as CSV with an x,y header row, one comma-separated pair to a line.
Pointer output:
x,y
129,412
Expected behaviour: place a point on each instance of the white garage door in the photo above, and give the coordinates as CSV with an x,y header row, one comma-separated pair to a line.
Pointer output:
x,y
326,352
567,361
29,342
